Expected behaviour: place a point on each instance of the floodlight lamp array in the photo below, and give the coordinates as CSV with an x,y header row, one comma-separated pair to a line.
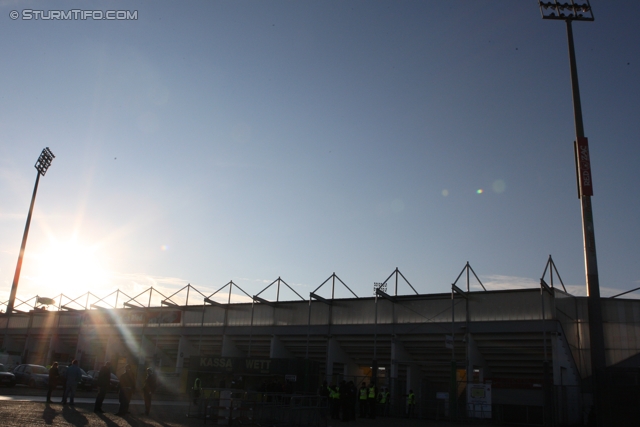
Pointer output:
x,y
44,161
573,11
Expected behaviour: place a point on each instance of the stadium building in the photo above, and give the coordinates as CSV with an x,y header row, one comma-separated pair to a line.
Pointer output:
x,y
518,356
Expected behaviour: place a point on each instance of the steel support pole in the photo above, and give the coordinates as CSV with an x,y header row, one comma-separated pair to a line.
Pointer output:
x,y
204,305
253,303
453,387
374,364
596,332
16,277
306,355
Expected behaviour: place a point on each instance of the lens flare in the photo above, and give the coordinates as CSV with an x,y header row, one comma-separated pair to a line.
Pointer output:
x,y
499,186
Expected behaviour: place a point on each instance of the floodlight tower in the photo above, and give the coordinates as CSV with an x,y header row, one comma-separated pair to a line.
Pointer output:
x,y
43,163
580,10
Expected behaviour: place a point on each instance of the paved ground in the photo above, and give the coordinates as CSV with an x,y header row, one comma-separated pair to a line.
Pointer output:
x,y
16,413
23,414
27,414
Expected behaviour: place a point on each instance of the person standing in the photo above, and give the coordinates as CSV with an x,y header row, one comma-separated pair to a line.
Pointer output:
x,y
127,387
197,387
334,401
412,403
323,390
343,400
363,400
353,398
54,375
73,376
148,389
104,380
385,399
372,399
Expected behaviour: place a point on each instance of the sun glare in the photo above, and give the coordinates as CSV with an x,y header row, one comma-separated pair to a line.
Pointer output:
x,y
70,268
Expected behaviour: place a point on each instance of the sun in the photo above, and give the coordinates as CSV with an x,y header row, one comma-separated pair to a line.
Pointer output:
x,y
70,267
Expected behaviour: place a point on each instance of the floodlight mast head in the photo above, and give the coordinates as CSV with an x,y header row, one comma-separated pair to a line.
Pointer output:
x,y
43,163
579,10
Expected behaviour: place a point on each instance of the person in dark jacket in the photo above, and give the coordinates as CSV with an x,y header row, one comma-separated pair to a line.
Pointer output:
x,y
148,389
54,375
104,380
73,376
127,387
352,398
344,400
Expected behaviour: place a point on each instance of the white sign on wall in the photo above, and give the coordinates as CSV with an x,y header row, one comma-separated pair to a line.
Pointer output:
x,y
448,341
479,400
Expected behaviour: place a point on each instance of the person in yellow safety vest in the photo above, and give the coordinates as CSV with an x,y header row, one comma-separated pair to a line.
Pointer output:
x,y
372,400
196,390
362,401
334,401
412,403
384,401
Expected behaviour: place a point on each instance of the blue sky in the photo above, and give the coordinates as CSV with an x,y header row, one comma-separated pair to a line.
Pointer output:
x,y
246,140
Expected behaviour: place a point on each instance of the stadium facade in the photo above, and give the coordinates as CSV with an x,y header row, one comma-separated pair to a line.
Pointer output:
x,y
513,355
